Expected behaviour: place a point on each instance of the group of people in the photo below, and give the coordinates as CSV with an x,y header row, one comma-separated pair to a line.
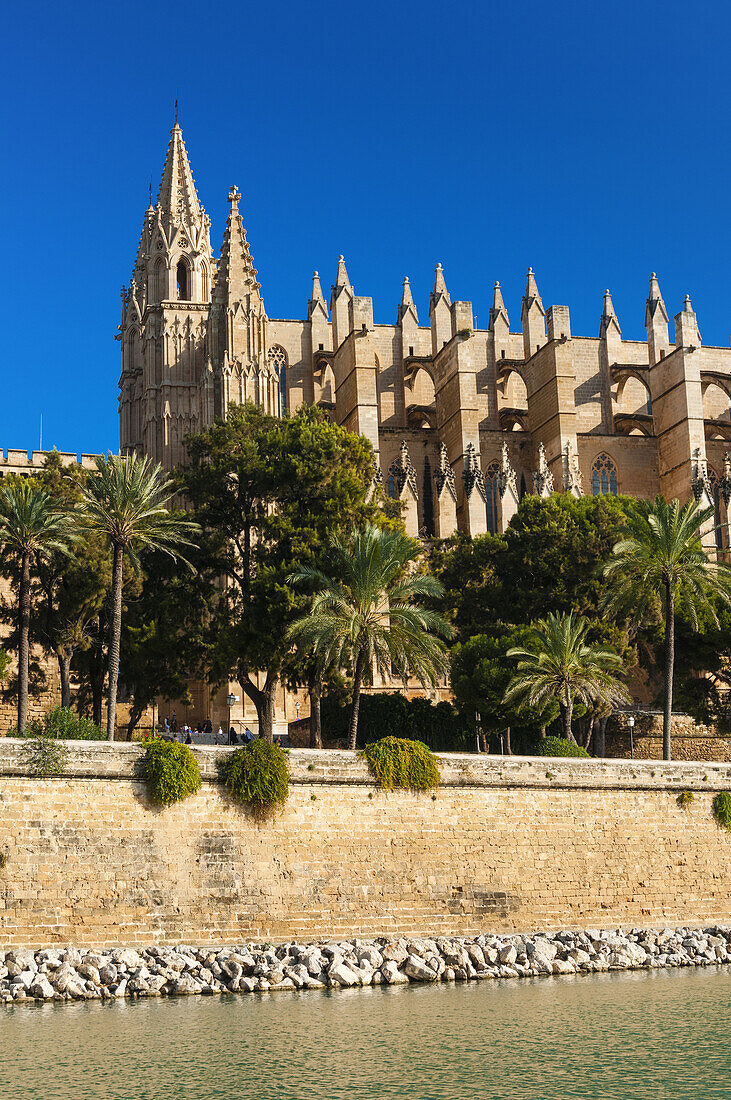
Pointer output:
x,y
169,729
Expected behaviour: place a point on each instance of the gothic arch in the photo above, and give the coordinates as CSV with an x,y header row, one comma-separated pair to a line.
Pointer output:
x,y
716,402
492,497
278,362
327,389
604,479
160,277
205,282
513,388
633,396
183,279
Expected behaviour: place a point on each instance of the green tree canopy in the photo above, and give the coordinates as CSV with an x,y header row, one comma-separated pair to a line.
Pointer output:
x,y
661,554
267,493
366,611
557,665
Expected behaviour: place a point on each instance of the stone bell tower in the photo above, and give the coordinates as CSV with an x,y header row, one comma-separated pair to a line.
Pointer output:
x,y
165,318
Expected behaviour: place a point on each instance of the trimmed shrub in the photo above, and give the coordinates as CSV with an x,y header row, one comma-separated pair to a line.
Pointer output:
x,y
171,770
61,724
685,798
397,762
257,775
722,809
558,746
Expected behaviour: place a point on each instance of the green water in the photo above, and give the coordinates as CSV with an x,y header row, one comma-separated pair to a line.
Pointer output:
x,y
631,1036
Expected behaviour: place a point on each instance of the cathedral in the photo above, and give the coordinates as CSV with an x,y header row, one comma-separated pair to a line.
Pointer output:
x,y
463,420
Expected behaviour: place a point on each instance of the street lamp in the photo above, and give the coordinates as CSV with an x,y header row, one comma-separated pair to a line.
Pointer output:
x,y
297,709
631,724
230,700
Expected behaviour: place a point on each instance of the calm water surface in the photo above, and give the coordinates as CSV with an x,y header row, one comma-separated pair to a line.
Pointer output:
x,y
628,1036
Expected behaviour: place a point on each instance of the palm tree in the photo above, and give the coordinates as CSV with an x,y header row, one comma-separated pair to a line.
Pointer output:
x,y
126,500
365,611
558,664
32,526
661,554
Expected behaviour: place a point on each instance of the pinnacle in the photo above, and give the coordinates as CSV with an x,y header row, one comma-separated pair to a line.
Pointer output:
x,y
317,295
531,286
177,196
497,298
406,296
342,275
440,286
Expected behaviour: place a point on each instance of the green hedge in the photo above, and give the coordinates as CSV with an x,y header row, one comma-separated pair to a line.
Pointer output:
x,y
172,771
257,775
438,725
61,724
558,746
722,809
397,762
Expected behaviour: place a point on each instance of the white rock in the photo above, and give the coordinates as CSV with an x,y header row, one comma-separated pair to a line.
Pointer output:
x,y
392,975
418,971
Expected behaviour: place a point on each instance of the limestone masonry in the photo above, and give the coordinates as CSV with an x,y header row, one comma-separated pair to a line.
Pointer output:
x,y
463,420
506,844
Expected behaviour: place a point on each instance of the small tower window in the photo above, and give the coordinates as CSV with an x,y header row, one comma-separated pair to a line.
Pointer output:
x,y
183,280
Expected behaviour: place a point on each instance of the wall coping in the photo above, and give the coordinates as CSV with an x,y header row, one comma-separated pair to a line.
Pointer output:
x,y
102,760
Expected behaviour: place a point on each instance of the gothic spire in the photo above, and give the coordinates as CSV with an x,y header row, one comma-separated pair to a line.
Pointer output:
x,y
440,288
177,196
342,276
531,291
317,298
236,275
655,303
498,308
407,302
609,317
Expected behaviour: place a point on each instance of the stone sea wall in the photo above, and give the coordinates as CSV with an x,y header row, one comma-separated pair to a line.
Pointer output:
x,y
503,845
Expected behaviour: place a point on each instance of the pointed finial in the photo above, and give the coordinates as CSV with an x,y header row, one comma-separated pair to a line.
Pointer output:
x,y
497,298
342,276
654,294
233,197
317,295
150,191
176,111
688,308
406,295
440,286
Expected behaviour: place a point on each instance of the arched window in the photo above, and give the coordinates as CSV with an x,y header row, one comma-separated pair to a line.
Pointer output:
x,y
182,277
716,501
205,282
603,476
391,486
491,497
428,501
277,360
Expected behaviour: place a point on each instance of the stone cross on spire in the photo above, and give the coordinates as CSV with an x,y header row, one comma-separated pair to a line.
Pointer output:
x,y
233,197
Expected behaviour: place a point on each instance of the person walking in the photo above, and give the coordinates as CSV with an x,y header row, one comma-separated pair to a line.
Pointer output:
x,y
219,735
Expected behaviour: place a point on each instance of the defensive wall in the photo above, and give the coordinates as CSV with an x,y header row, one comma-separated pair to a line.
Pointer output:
x,y
503,844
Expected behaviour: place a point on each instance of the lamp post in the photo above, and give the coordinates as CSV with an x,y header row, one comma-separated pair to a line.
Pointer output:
x,y
631,724
231,699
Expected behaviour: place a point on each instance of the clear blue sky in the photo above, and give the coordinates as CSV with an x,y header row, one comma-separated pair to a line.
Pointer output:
x,y
590,141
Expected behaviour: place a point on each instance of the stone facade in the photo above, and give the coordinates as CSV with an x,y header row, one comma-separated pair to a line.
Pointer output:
x,y
463,420
503,844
